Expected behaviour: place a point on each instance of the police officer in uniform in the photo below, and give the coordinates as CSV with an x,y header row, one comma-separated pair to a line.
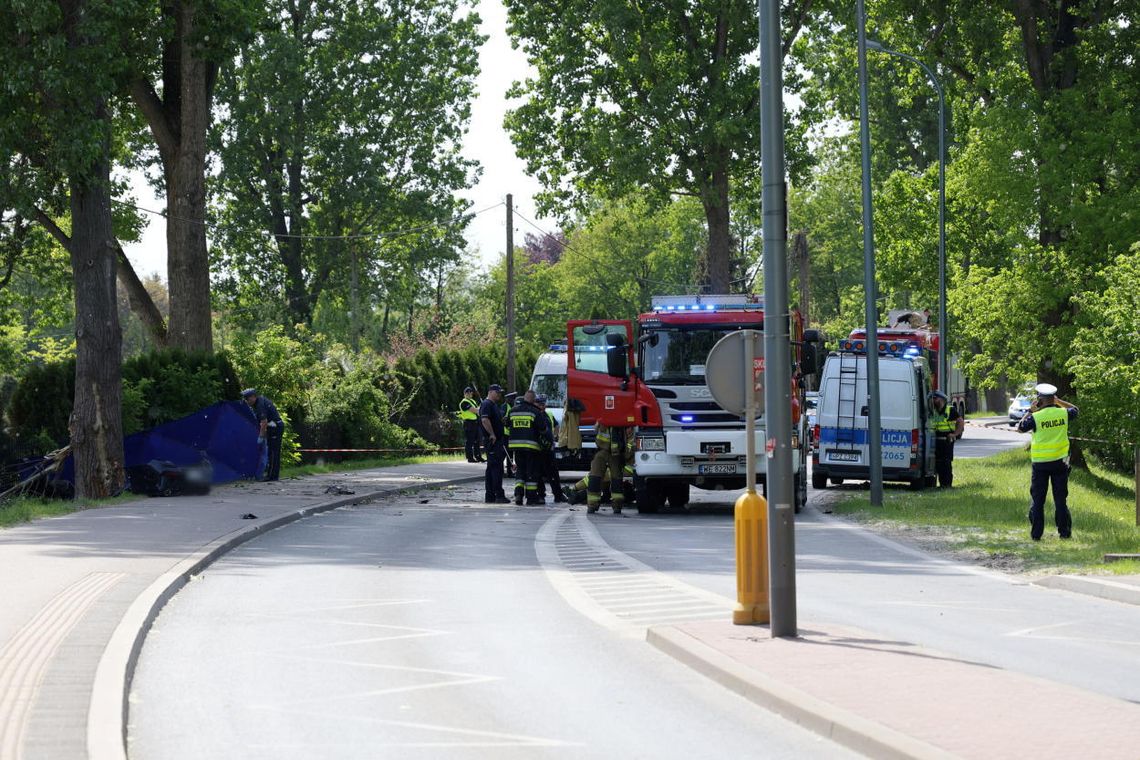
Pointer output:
x,y
948,427
1048,420
270,428
528,428
469,414
491,419
548,465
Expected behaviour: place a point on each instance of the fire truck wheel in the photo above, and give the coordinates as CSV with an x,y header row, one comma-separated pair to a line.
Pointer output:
x,y
799,498
818,481
648,495
678,495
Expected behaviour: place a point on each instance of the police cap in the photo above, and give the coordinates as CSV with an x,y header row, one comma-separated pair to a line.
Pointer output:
x,y
468,389
495,387
249,392
1045,389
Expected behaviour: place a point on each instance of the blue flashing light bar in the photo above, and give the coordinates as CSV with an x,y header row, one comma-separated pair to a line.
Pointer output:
x,y
561,347
733,302
686,418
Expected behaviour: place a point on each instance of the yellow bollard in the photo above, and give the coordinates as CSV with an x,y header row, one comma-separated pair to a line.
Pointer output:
x,y
751,560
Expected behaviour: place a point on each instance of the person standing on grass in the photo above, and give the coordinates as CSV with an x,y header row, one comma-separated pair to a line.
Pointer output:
x,y
1048,420
948,427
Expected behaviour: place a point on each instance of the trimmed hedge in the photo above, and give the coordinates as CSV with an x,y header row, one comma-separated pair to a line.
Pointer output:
x,y
157,387
435,380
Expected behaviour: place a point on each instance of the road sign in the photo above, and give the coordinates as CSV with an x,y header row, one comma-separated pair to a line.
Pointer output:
x,y
733,384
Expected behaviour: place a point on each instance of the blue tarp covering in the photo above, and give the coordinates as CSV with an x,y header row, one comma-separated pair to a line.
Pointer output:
x,y
225,434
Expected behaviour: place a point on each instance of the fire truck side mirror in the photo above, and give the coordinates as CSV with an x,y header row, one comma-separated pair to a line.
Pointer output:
x,y
616,365
809,352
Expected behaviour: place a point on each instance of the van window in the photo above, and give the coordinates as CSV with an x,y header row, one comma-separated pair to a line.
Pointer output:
x,y
896,399
551,386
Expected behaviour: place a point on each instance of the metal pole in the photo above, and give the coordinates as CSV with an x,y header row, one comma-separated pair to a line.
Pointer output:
x,y
870,315
777,341
510,295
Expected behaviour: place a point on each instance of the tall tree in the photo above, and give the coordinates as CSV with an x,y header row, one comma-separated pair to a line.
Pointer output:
x,y
63,63
343,123
662,97
174,91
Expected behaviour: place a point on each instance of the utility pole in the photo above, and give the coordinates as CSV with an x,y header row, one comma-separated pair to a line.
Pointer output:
x,y
510,295
870,290
777,341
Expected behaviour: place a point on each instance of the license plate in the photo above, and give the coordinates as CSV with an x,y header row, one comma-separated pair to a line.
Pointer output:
x,y
843,456
716,469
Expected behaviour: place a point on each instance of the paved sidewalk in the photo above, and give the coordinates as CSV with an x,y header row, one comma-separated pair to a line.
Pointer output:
x,y
79,592
891,699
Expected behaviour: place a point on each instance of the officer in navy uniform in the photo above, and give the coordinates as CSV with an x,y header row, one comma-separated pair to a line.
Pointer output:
x,y
1048,420
270,428
494,440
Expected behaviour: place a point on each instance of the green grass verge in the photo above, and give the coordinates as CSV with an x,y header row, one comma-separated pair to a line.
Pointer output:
x,y
25,509
985,517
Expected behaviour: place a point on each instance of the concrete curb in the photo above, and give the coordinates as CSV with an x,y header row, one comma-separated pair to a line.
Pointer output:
x,y
841,726
107,715
1099,587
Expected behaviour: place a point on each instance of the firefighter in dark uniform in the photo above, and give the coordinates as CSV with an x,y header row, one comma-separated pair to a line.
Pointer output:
x,y
527,427
613,450
548,465
948,427
469,414
1048,420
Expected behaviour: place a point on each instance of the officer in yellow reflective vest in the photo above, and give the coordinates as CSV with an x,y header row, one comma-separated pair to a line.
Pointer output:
x,y
469,415
1048,420
948,427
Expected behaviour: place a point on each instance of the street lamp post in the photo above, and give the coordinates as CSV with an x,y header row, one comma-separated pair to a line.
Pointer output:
x,y
943,346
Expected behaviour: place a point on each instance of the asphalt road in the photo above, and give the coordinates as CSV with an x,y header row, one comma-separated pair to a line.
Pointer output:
x,y
404,629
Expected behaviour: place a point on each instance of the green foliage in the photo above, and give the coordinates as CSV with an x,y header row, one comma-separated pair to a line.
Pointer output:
x,y
342,122
157,387
1106,361
283,368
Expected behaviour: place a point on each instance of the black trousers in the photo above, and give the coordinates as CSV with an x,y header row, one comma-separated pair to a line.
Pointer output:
x,y
471,440
526,474
273,443
1044,474
944,461
548,473
493,480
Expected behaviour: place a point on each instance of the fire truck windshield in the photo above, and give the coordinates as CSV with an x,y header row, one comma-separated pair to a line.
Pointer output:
x,y
676,356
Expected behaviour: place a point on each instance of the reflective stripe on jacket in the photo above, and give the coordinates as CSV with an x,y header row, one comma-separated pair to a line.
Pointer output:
x,y
468,409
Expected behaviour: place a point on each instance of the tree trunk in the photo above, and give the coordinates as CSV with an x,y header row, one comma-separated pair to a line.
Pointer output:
x,y
179,121
714,198
96,418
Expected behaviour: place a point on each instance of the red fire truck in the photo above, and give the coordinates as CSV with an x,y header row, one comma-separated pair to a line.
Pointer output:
x,y
910,330
654,381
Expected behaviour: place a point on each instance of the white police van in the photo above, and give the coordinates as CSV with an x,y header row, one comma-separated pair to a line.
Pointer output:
x,y
842,452
549,379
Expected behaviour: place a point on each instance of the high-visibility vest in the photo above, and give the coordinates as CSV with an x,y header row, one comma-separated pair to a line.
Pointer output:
x,y
1050,434
468,409
941,420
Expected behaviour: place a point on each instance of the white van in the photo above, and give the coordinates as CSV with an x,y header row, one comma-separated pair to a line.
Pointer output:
x,y
842,451
549,379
